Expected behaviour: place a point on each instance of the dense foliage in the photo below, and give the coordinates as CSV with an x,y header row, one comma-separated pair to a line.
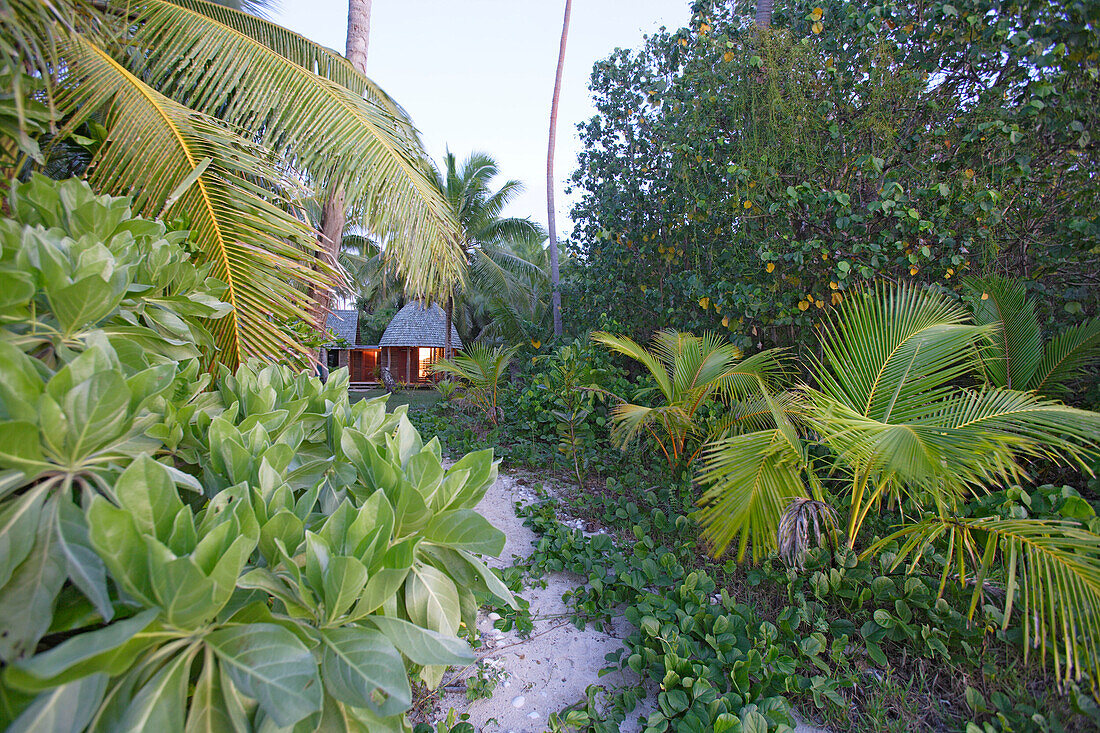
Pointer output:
x,y
181,550
750,180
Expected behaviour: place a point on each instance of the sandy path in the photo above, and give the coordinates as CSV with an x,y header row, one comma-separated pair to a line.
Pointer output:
x,y
553,667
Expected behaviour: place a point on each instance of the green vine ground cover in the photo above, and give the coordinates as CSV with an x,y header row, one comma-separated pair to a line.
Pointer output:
x,y
848,642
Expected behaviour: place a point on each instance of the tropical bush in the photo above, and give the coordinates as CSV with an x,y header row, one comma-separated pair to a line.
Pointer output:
x,y
690,374
480,370
898,416
181,550
745,181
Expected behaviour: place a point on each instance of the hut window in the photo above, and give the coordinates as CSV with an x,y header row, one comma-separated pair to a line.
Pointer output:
x,y
425,359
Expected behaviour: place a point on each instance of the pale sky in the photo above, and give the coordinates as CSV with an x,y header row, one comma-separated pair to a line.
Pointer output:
x,y
479,74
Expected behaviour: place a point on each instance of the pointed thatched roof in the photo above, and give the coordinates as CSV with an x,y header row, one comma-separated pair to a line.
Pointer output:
x,y
345,324
419,325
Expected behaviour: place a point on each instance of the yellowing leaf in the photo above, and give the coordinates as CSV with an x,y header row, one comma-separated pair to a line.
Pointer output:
x,y
726,321
727,56
683,42
704,28
837,298
770,267
969,172
817,28
704,302
819,303
748,204
536,344
985,296
834,285
817,13
803,305
913,270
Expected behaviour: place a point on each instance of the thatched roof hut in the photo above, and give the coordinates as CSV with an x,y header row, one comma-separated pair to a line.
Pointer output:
x,y
414,341
345,324
419,325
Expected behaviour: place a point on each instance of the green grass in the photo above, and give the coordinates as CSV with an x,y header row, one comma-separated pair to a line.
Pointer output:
x,y
416,399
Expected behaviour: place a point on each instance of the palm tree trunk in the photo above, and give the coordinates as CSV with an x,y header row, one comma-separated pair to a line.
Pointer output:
x,y
333,216
358,33
555,280
764,13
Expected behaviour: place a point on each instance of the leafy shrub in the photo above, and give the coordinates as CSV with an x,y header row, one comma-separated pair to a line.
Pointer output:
x,y
260,553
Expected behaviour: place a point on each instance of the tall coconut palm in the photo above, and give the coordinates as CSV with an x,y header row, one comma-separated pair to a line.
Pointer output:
x,y
889,416
333,214
555,276
226,120
495,267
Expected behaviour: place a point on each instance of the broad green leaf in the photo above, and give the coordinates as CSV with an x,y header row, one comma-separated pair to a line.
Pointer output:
x,y
495,585
116,539
27,601
467,530
285,525
21,386
18,527
86,301
84,654
208,712
361,668
64,709
431,600
147,491
161,703
20,448
423,646
344,581
383,585
268,663
185,594
86,569
483,472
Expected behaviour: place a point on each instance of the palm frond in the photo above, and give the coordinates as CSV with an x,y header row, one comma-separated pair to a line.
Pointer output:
x,y
154,145
629,347
1066,357
895,349
743,379
339,137
1051,577
295,47
1015,346
750,479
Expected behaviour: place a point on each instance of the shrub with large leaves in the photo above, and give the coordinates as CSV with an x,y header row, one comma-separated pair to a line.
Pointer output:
x,y
259,554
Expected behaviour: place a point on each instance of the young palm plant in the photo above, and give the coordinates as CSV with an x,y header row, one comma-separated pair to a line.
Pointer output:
x,y
690,373
1015,355
480,368
888,411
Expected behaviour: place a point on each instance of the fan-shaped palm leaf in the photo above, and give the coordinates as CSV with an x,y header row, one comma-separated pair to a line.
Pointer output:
x,y
895,349
1052,578
689,371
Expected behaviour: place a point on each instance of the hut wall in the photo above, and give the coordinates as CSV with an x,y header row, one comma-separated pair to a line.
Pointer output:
x,y
405,363
363,365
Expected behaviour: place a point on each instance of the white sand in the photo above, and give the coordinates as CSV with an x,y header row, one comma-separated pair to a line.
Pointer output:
x,y
553,667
